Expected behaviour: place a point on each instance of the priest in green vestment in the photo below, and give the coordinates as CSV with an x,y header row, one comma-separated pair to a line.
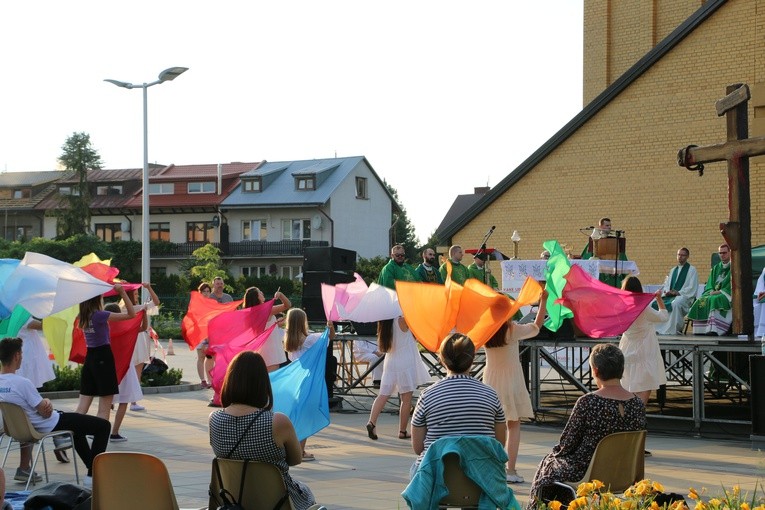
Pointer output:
x,y
604,225
679,292
478,271
460,272
711,313
396,269
428,270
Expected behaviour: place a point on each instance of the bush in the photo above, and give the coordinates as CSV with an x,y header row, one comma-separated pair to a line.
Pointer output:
x,y
166,325
171,377
67,379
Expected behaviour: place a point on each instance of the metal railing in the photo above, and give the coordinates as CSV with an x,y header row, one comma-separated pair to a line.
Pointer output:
x,y
242,249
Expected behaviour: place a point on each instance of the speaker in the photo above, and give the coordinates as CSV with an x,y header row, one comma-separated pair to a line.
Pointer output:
x,y
312,281
328,258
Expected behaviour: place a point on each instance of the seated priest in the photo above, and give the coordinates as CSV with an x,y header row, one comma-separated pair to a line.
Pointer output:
x,y
679,292
711,313
759,306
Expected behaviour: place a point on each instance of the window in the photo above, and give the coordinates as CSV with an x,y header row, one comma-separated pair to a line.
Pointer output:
x,y
296,230
158,270
290,272
18,233
109,232
22,193
305,183
254,271
254,230
162,188
69,190
159,231
253,185
361,187
201,187
199,231
112,189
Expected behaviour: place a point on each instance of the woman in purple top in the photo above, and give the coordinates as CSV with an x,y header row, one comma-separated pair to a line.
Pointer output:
x,y
99,374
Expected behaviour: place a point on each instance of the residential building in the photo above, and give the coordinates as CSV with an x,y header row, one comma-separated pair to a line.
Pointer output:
x,y
20,193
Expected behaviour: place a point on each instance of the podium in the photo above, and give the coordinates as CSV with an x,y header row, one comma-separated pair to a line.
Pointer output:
x,y
610,248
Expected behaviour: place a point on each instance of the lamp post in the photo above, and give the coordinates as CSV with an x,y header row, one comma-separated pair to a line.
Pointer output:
x,y
166,75
515,238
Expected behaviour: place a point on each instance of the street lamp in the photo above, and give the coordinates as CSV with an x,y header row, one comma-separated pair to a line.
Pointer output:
x,y
166,75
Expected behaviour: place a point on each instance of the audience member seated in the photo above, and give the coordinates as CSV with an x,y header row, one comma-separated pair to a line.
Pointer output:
x,y
679,292
595,415
711,313
247,429
759,299
20,391
457,405
365,351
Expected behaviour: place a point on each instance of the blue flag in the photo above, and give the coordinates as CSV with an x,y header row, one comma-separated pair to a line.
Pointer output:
x,y
300,391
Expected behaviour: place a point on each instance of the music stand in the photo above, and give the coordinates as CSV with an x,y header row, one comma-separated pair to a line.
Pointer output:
x,y
610,248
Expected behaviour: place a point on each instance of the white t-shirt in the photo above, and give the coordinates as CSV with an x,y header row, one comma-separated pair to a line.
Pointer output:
x,y
20,391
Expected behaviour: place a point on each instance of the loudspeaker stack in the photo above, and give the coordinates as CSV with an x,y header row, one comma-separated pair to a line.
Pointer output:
x,y
325,264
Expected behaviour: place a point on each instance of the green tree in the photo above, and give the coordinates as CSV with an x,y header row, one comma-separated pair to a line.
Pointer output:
x,y
369,269
403,231
73,214
207,265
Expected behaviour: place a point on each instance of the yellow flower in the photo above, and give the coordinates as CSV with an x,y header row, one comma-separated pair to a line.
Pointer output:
x,y
678,505
616,503
657,487
597,484
584,489
554,505
715,502
693,494
700,505
736,490
654,505
580,502
744,505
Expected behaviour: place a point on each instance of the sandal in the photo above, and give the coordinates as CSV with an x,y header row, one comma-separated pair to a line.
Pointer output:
x,y
371,431
403,434
61,456
308,457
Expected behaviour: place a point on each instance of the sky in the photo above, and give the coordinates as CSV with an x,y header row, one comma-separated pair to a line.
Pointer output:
x,y
440,96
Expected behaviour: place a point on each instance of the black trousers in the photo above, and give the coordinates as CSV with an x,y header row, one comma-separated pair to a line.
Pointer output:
x,y
83,425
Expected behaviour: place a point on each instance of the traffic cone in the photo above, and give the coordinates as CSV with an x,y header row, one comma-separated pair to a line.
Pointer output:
x,y
170,351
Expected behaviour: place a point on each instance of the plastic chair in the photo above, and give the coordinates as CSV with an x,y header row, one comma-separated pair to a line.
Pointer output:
x,y
618,461
129,480
19,429
263,485
463,492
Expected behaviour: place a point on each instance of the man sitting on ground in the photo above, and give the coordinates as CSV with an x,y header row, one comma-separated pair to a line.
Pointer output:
x,y
711,313
679,291
19,390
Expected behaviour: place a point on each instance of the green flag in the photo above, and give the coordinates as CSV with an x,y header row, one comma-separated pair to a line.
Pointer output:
x,y
555,272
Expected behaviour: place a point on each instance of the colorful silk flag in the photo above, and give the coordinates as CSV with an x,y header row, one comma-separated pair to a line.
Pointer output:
x,y
601,310
239,327
342,295
11,326
475,309
555,279
378,303
122,338
200,312
7,267
300,390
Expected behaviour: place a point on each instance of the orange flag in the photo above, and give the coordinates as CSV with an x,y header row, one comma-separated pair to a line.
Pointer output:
x,y
201,311
433,311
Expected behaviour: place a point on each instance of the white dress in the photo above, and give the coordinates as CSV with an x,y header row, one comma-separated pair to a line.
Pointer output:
x,y
144,342
643,364
129,388
504,373
759,317
403,368
35,364
272,349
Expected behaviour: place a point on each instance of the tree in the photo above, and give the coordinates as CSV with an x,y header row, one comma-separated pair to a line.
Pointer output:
x,y
79,156
208,265
403,231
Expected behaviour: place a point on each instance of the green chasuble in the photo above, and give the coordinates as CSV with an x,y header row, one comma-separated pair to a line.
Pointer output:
x,y
392,272
719,279
479,273
429,276
676,282
606,278
460,273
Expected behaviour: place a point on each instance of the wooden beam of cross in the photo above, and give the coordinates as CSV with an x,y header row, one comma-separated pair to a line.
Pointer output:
x,y
737,232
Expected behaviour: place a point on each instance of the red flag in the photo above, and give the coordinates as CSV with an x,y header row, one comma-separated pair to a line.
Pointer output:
x,y
201,311
599,309
122,337
239,327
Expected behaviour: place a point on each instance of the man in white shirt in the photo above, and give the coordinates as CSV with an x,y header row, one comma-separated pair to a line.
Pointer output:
x,y
680,289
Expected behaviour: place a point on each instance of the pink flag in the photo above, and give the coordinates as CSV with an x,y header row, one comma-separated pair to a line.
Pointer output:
x,y
347,295
239,327
599,309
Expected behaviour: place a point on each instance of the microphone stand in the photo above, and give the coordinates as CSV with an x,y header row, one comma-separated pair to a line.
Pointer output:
x,y
482,251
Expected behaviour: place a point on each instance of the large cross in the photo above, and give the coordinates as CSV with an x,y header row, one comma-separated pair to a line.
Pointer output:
x,y
738,230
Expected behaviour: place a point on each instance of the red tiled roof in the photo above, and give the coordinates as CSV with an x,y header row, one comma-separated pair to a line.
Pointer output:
x,y
196,172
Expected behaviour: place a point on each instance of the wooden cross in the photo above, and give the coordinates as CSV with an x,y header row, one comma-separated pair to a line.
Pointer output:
x,y
738,230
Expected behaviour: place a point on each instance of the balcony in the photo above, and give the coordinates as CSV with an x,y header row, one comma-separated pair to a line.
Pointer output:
x,y
243,249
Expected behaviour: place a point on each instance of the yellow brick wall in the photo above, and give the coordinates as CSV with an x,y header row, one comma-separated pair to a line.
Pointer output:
x,y
622,163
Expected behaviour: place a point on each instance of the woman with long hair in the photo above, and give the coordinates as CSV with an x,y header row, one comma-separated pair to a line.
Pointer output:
x,y
643,363
297,340
504,373
205,361
272,349
403,371
99,375
247,419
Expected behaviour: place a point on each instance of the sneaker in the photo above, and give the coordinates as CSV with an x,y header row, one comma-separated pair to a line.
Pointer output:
x,y
22,475
513,477
205,385
137,407
61,442
646,453
116,438
87,482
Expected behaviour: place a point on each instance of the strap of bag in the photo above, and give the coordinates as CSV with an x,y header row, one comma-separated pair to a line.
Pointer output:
x,y
283,500
243,434
223,494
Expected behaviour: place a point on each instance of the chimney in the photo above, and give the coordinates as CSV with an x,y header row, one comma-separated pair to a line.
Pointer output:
x,y
220,178
482,190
